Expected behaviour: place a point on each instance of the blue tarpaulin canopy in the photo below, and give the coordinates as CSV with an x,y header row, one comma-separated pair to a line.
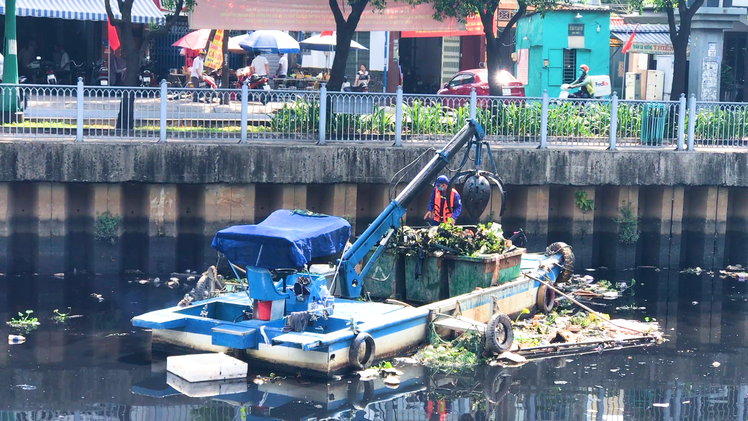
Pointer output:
x,y
286,239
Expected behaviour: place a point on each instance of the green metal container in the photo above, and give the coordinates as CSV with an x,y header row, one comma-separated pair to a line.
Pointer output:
x,y
431,285
653,123
468,273
382,281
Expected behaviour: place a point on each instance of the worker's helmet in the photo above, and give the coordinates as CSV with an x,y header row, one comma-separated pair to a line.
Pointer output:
x,y
202,51
585,67
442,179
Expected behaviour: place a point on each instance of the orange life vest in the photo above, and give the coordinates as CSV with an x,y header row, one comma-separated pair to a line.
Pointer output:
x,y
441,215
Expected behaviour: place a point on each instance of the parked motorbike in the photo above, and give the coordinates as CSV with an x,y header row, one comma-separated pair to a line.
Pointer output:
x,y
42,72
147,78
79,71
100,73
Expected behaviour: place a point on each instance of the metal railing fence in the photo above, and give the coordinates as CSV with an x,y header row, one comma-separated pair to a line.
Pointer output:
x,y
240,115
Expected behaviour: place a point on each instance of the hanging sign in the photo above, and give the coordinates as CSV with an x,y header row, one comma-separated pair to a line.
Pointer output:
x,y
214,57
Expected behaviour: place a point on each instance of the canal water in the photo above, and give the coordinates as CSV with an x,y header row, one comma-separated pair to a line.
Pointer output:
x,y
96,366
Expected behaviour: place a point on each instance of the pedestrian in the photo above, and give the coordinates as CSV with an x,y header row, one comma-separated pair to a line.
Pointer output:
x,y
259,65
443,206
196,73
282,66
362,78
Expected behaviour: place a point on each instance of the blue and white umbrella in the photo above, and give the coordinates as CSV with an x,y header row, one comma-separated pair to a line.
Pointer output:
x,y
269,41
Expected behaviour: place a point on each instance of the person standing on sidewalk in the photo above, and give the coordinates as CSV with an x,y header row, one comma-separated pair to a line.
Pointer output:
x,y
196,73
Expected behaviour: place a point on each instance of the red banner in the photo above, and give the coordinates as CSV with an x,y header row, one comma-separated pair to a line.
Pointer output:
x,y
313,15
214,58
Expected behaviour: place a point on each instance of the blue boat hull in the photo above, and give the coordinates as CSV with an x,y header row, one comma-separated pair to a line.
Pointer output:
x,y
323,347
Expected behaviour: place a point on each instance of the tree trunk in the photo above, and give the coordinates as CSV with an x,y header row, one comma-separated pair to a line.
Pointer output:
x,y
345,29
493,55
680,66
342,50
493,64
126,116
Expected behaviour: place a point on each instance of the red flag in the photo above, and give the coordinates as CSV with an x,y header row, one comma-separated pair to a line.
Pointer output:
x,y
112,36
628,43
326,34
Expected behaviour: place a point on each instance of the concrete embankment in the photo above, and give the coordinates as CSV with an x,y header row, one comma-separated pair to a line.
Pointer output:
x,y
169,199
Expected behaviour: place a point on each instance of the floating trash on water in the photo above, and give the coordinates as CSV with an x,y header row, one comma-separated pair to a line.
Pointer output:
x,y
98,297
115,334
614,370
392,382
25,387
715,364
560,382
190,279
661,405
173,283
143,281
693,303
59,275
693,271
685,402
16,339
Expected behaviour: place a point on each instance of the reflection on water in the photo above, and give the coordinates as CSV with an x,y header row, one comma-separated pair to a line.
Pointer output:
x,y
99,367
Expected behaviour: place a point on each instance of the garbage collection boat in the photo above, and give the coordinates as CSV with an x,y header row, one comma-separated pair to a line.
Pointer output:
x,y
299,321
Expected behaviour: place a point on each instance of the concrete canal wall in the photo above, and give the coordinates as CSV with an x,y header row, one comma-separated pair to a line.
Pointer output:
x,y
690,208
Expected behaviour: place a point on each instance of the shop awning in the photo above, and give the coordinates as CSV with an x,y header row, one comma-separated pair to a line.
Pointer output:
x,y
143,11
649,39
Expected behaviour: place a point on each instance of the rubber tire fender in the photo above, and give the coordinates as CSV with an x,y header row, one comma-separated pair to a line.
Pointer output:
x,y
493,342
355,388
354,357
496,384
546,298
567,261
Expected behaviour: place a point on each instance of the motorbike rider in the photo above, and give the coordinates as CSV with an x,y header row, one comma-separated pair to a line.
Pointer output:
x,y
584,83
443,206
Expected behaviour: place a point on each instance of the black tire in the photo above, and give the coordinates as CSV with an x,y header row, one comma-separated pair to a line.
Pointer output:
x,y
567,261
496,384
355,357
360,394
201,289
499,334
546,299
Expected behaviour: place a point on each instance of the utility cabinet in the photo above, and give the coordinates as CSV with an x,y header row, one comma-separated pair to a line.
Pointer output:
x,y
633,86
655,85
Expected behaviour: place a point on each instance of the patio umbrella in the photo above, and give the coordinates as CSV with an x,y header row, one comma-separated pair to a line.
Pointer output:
x,y
326,41
270,41
196,40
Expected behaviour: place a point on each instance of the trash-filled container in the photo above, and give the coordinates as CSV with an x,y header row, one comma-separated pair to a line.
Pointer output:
x,y
482,271
653,123
426,282
383,280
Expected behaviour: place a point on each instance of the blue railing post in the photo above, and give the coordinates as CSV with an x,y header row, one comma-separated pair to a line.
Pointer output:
x,y
544,100
682,110
322,113
613,121
473,103
162,112
399,116
691,121
245,107
79,111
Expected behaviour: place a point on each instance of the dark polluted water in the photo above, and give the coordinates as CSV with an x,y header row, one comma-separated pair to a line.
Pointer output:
x,y
98,367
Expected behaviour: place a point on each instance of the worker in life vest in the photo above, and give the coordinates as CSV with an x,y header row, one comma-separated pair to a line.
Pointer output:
x,y
441,202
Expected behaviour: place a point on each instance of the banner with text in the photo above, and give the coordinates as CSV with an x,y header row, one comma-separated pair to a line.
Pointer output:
x,y
214,57
313,15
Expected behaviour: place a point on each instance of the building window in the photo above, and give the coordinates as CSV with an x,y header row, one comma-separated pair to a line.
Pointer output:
x,y
570,65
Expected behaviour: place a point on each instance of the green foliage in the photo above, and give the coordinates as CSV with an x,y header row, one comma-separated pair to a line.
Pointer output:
x,y
628,225
25,322
60,317
583,202
301,116
106,227
524,311
452,239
